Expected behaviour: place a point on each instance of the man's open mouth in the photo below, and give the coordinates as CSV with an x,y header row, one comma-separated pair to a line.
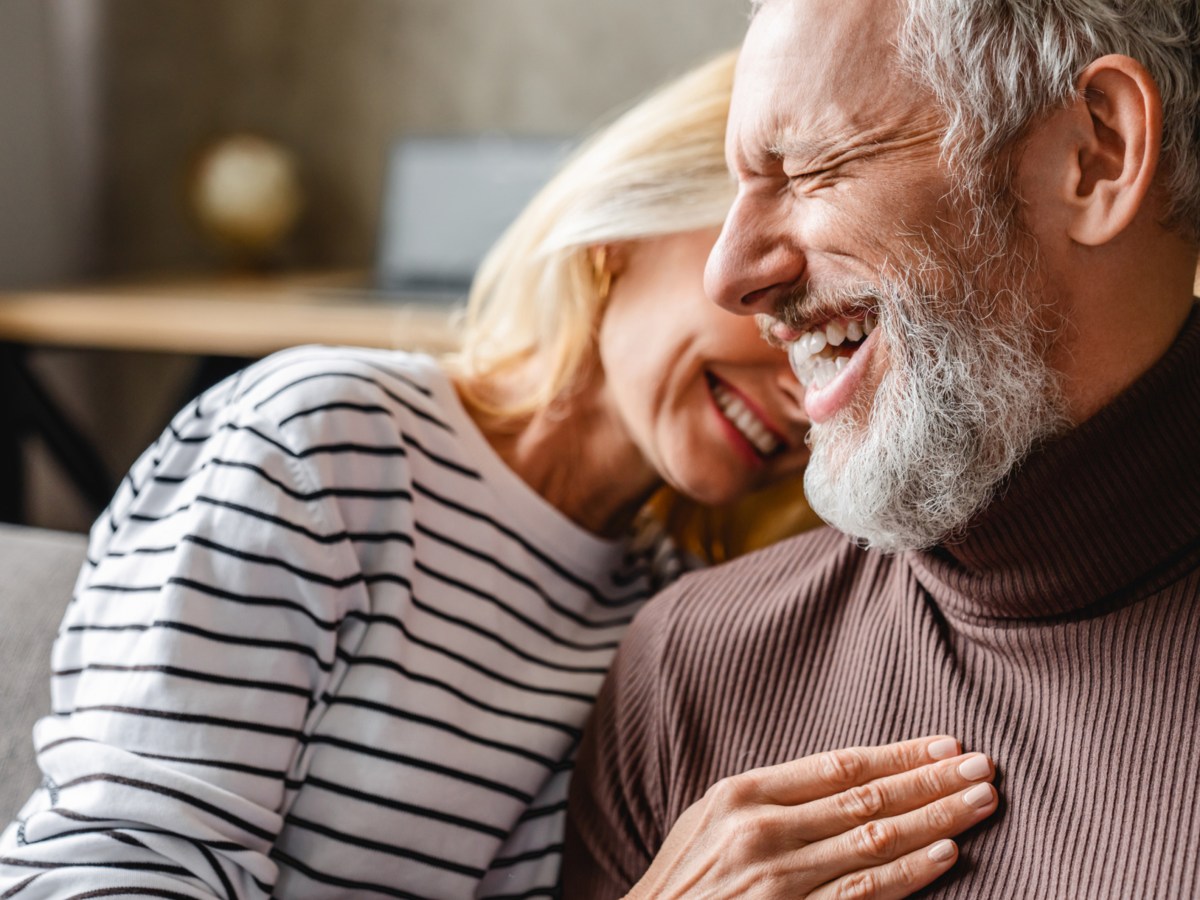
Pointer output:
x,y
820,354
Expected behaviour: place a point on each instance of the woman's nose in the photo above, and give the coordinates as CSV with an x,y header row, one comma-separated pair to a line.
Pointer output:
x,y
753,267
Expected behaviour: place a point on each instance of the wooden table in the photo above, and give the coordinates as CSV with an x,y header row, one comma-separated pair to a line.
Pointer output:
x,y
244,317
233,316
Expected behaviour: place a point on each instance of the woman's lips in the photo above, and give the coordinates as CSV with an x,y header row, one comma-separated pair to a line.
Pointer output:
x,y
743,418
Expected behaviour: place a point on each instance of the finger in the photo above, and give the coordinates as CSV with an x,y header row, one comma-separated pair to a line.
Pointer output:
x,y
898,878
884,840
804,780
890,796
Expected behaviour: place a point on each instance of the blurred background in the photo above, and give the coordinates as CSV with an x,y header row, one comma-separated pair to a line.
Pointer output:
x,y
108,106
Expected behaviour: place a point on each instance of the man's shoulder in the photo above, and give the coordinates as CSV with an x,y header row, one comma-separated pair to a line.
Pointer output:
x,y
791,568
814,571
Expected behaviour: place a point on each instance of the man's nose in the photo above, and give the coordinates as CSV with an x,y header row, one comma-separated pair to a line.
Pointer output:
x,y
753,265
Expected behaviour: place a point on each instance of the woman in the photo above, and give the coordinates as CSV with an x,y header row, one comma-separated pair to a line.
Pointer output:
x,y
342,624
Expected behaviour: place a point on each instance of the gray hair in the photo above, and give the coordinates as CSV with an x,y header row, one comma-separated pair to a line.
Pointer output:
x,y
995,65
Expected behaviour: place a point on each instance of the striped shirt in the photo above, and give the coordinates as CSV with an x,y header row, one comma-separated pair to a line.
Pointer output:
x,y
325,642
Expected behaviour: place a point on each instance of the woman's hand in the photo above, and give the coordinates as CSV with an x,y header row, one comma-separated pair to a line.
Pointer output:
x,y
866,822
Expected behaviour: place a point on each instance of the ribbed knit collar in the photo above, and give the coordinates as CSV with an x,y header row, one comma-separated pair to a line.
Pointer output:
x,y
1104,516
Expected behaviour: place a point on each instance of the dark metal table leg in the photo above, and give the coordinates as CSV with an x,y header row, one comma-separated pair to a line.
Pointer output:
x,y
12,432
35,412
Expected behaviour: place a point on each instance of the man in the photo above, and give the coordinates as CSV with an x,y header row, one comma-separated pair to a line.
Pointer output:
x,y
975,226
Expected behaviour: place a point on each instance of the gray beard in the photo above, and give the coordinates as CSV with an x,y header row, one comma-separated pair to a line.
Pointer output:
x,y
967,394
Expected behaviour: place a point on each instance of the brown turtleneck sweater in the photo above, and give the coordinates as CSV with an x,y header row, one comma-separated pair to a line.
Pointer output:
x,y
1061,636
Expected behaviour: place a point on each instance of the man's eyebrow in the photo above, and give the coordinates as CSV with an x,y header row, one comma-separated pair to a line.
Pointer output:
x,y
795,147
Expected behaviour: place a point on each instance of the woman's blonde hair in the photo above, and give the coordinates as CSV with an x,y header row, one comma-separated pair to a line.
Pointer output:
x,y
658,169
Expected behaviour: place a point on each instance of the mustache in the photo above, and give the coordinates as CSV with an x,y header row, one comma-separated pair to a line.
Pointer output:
x,y
805,307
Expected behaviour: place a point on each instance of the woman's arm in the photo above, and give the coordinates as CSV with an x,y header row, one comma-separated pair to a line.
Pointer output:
x,y
198,648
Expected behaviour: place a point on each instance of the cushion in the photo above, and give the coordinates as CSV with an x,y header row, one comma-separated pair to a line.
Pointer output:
x,y
37,571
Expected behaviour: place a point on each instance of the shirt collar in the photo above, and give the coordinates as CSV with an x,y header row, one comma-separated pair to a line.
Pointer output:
x,y
1106,515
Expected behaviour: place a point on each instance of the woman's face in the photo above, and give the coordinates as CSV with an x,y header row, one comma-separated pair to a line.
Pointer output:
x,y
710,406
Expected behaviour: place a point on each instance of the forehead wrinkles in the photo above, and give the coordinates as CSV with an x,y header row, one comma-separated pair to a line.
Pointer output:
x,y
828,140
830,62
771,117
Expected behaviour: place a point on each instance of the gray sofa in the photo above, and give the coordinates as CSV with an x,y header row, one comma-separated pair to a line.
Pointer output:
x,y
37,572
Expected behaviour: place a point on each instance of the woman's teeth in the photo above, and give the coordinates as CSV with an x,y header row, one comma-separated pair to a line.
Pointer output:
x,y
813,356
746,422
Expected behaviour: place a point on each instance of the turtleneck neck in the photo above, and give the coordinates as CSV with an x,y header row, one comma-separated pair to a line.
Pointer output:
x,y
1105,515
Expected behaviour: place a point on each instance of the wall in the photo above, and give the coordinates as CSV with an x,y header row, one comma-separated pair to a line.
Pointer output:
x,y
336,80
50,154
48,140
106,103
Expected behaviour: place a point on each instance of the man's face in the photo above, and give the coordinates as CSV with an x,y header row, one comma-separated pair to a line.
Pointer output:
x,y
912,311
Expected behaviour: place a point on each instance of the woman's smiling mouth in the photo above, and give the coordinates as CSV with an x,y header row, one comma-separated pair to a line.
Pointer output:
x,y
746,421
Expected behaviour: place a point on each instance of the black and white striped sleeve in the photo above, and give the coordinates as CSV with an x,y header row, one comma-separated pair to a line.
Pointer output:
x,y
206,634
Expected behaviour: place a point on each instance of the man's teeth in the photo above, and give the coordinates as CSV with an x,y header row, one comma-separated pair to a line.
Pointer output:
x,y
817,371
812,356
745,421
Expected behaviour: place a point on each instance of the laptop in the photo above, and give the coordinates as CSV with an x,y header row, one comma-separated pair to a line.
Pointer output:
x,y
446,201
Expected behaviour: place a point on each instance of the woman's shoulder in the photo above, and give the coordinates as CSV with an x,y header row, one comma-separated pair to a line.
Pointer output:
x,y
304,375
324,407
331,390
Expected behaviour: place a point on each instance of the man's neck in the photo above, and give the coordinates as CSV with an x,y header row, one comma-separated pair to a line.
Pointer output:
x,y
1084,519
1124,311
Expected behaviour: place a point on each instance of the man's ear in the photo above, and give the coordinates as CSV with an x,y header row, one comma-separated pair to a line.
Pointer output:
x,y
1118,115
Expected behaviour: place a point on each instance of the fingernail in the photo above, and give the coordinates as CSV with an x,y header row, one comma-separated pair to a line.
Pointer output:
x,y
980,795
941,851
943,748
975,768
